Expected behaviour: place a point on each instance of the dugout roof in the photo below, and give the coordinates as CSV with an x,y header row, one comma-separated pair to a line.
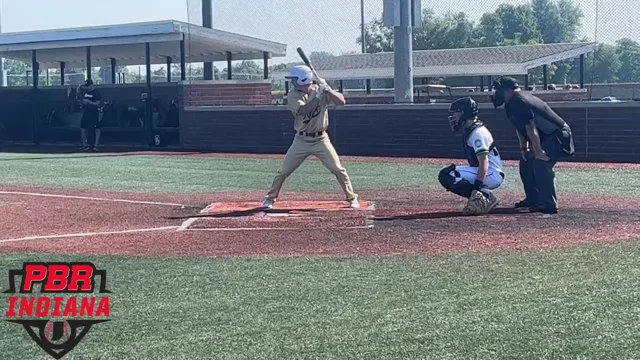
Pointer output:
x,y
486,61
126,44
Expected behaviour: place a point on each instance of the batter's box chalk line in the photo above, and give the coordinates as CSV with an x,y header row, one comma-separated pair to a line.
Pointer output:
x,y
285,228
369,221
88,234
370,215
190,221
91,198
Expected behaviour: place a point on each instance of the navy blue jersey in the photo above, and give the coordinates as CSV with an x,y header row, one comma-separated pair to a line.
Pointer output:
x,y
524,109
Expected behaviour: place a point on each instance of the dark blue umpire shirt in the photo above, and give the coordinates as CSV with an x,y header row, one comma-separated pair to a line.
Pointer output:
x,y
524,109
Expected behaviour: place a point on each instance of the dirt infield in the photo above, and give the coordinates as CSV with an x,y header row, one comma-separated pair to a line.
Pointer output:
x,y
401,222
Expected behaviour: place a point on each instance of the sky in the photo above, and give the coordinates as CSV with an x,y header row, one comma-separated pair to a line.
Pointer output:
x,y
321,25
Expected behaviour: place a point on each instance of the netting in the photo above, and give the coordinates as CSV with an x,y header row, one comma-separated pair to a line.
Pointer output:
x,y
332,28
194,70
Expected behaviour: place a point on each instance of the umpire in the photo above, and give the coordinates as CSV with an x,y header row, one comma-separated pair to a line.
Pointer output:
x,y
544,138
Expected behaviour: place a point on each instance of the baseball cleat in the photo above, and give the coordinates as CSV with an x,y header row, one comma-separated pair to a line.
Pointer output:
x,y
524,204
543,210
267,204
354,204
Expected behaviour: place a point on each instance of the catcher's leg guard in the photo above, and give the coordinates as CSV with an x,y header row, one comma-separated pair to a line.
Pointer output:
x,y
453,183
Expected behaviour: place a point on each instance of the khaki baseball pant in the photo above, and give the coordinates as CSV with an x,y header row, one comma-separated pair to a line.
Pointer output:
x,y
300,149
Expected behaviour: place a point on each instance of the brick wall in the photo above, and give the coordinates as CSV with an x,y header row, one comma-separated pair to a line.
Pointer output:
x,y
218,93
609,133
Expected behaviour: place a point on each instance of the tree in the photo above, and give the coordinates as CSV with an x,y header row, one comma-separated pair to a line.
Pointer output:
x,y
601,66
628,52
558,22
519,24
453,30
317,56
246,69
490,30
379,38
571,16
16,72
194,72
548,21
536,75
160,72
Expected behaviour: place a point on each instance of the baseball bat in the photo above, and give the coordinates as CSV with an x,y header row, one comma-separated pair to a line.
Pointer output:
x,y
307,62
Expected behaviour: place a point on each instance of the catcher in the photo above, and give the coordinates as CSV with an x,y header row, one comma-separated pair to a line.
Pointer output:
x,y
308,102
484,173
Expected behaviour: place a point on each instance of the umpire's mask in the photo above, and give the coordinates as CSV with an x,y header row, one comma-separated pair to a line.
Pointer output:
x,y
500,86
498,94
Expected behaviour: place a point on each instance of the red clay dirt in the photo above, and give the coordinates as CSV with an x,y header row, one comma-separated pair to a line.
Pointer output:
x,y
405,222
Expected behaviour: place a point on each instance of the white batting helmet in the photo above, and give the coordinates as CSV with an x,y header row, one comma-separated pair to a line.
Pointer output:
x,y
301,73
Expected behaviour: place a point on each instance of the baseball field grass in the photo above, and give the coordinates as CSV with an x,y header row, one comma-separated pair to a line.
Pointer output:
x,y
576,301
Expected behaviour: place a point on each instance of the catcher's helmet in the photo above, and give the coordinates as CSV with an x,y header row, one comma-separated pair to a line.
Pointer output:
x,y
301,73
468,109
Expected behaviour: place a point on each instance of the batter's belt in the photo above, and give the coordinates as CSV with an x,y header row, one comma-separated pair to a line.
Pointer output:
x,y
313,134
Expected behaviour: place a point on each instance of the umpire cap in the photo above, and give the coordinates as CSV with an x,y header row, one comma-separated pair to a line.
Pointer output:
x,y
505,83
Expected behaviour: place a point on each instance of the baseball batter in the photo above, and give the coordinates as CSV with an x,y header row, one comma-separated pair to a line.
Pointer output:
x,y
484,173
308,102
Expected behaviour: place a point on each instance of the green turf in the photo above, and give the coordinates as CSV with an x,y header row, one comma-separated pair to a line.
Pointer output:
x,y
576,303
198,174
571,303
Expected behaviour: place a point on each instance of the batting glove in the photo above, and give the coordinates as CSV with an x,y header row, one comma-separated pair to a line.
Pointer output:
x,y
320,92
323,82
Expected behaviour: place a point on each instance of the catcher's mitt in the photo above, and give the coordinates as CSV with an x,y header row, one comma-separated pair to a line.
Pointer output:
x,y
477,204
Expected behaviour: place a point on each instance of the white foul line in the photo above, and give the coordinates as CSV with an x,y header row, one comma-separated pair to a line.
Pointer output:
x,y
283,228
187,223
93,198
45,237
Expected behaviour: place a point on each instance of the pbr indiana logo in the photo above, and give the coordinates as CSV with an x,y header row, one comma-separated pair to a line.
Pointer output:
x,y
57,303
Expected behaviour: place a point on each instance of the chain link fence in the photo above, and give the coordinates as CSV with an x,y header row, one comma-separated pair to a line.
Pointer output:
x,y
334,28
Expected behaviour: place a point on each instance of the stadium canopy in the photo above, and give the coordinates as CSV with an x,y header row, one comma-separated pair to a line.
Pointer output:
x,y
126,44
486,61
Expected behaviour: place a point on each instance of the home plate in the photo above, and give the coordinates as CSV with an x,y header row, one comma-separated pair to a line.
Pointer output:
x,y
280,206
284,215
